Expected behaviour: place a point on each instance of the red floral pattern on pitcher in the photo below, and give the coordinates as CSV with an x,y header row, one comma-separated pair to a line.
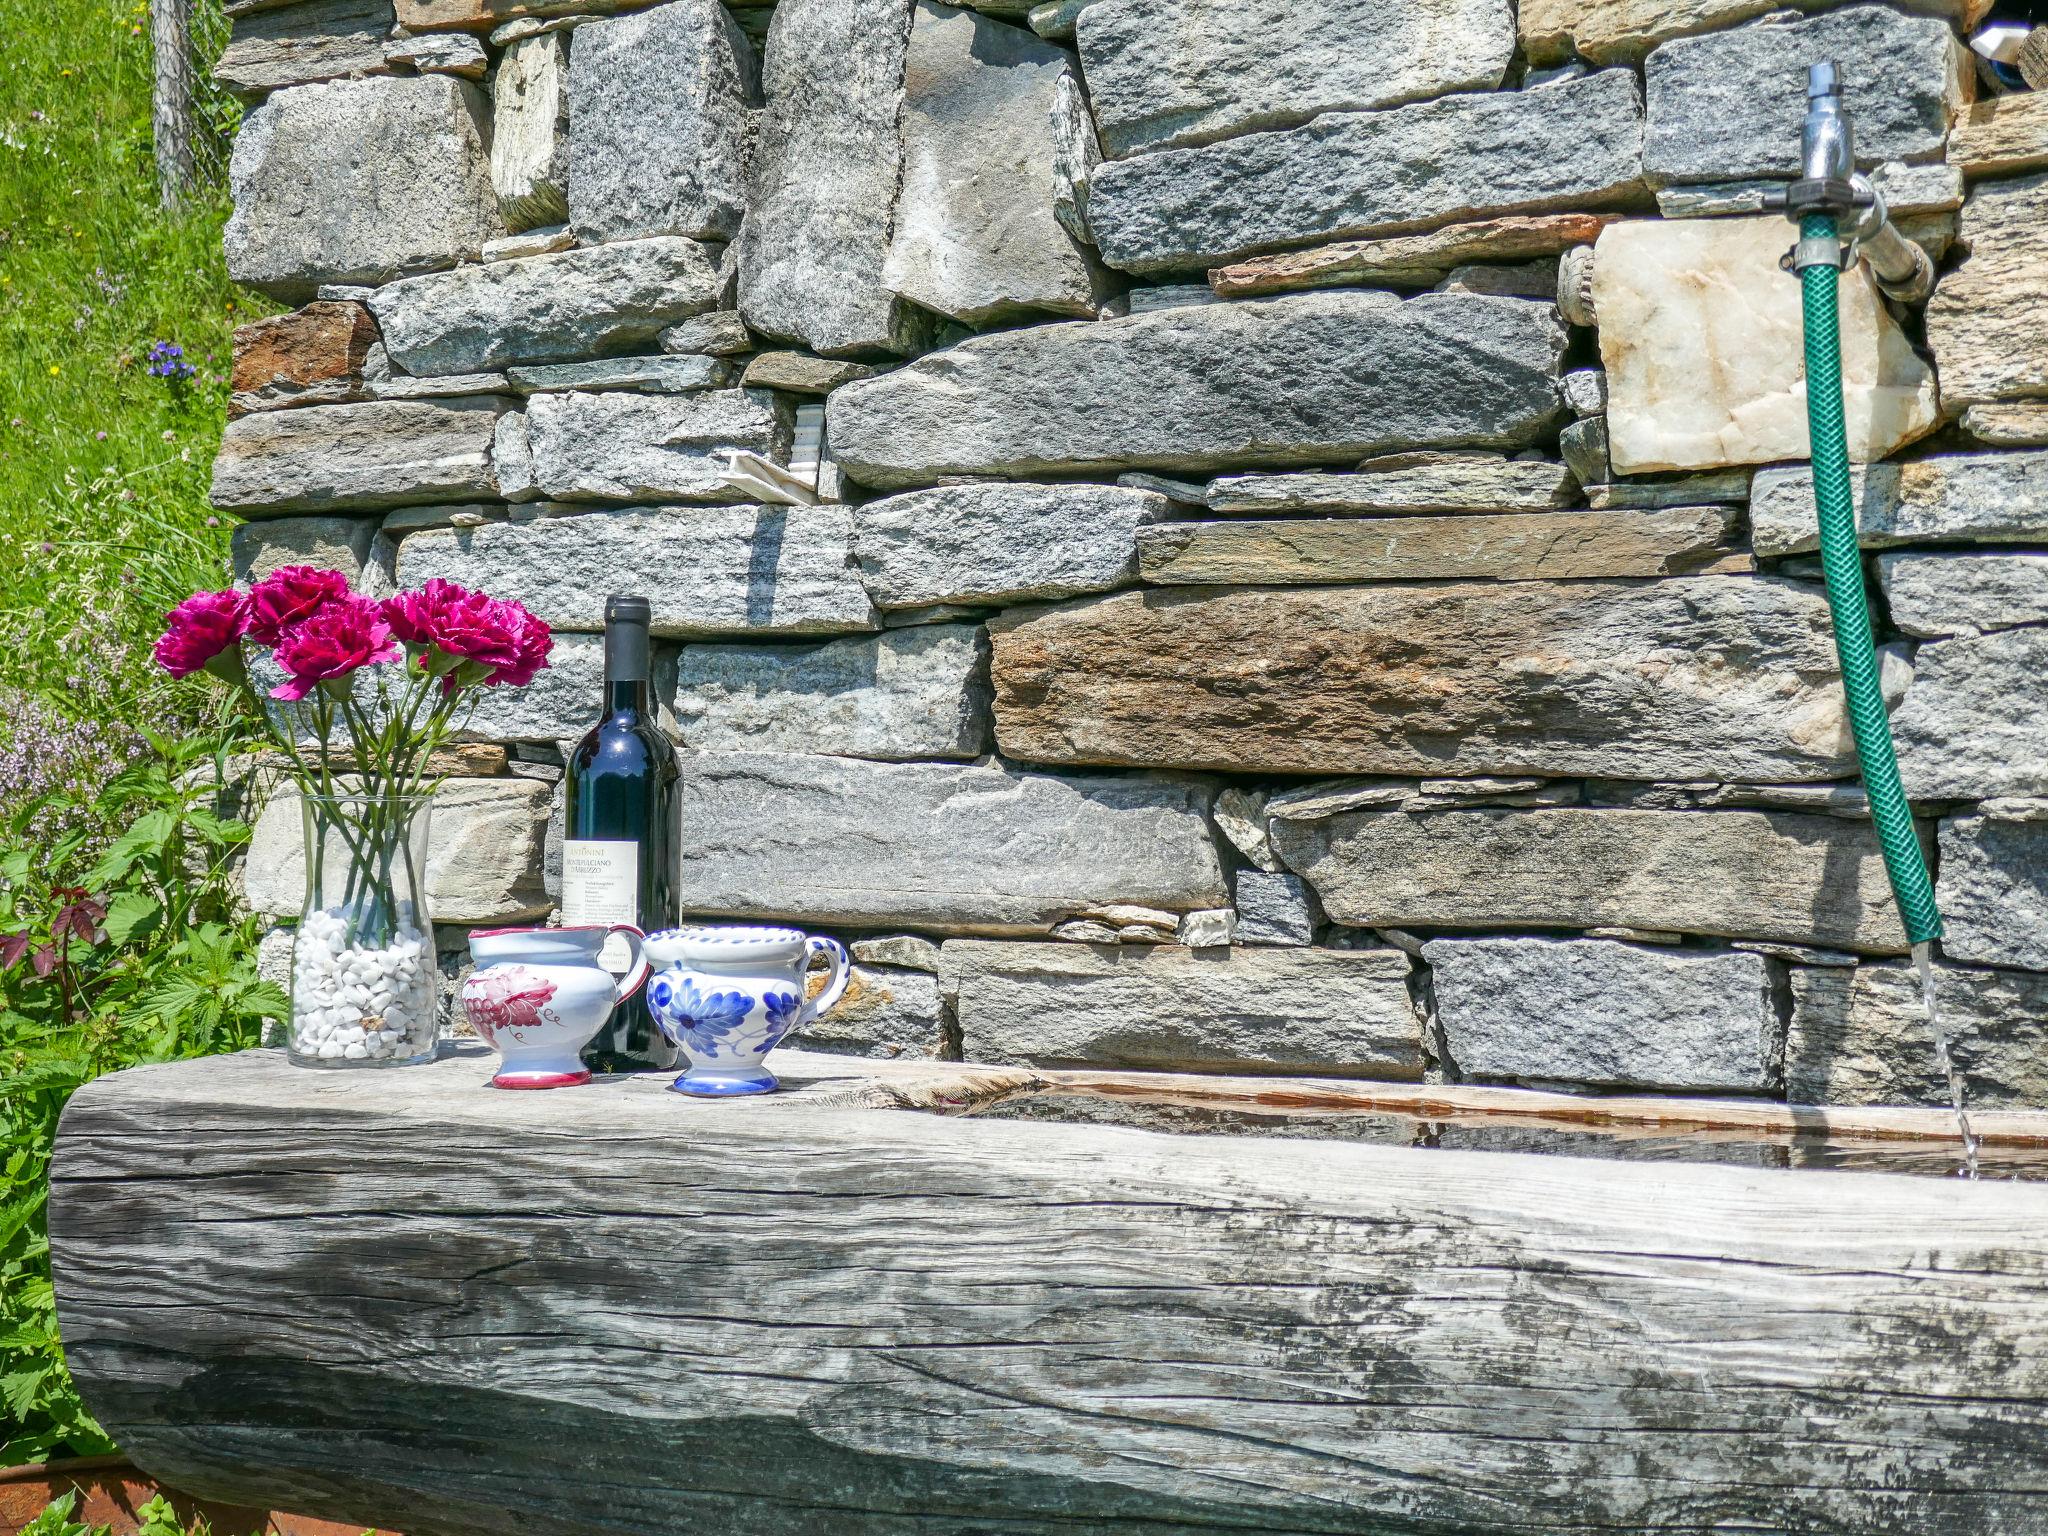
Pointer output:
x,y
506,997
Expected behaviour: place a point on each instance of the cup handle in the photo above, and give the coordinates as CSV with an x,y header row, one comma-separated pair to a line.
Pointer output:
x,y
835,952
636,973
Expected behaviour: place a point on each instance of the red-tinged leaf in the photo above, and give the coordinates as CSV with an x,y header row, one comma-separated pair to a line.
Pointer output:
x,y
45,960
12,947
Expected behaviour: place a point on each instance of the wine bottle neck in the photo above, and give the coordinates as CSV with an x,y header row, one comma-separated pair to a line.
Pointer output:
x,y
624,695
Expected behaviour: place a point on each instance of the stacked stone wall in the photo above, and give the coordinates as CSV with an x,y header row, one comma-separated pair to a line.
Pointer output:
x,y
1303,563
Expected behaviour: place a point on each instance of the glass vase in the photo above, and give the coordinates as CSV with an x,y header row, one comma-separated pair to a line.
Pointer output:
x,y
363,973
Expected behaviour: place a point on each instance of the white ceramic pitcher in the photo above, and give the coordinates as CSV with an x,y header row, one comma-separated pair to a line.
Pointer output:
x,y
538,996
725,997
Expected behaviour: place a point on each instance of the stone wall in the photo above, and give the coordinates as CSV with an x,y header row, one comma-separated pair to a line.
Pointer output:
x,y
1307,567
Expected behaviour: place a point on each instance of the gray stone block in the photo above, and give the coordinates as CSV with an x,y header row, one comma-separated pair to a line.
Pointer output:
x,y
1573,146
657,448
1974,722
530,131
563,701
543,309
901,695
1304,379
752,570
332,543
301,44
1167,72
1795,879
1861,1037
894,1014
1001,543
657,123
1955,498
1934,595
484,851
1608,1015
1330,1012
1729,104
357,457
976,235
1993,891
1275,909
944,847
825,175
661,374
1697,677
417,195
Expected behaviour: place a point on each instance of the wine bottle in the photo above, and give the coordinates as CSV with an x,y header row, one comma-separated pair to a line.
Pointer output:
x,y
618,862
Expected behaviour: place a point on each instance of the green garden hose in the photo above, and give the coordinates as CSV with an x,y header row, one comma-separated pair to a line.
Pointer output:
x,y
1842,563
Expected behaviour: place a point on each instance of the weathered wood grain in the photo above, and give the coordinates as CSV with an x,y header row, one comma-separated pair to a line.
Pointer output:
x,y
403,1298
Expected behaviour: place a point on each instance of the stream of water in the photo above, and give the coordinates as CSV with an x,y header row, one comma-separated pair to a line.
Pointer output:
x,y
1923,958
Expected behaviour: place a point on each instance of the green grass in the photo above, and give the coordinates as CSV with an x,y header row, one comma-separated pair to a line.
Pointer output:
x,y
103,468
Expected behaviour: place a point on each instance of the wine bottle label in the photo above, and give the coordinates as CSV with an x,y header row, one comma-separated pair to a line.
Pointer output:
x,y
601,884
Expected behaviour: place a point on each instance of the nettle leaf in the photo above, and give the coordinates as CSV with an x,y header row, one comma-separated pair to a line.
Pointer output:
x,y
18,1389
130,915
151,833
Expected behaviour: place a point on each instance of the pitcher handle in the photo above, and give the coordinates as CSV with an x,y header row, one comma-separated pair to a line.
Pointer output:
x,y
835,952
636,973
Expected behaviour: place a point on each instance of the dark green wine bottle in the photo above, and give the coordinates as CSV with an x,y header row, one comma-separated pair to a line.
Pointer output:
x,y
618,853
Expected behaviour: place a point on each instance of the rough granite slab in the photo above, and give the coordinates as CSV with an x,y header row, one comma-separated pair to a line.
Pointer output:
x,y
1568,147
661,374
1957,498
1937,594
1001,543
1607,1015
902,695
417,195
358,457
1729,104
1689,678
1528,546
658,123
1993,891
825,173
1167,72
1986,319
1405,483
1161,1006
304,43
976,235
1795,879
1622,31
624,446
739,570
1305,378
1860,1037
1412,261
943,847
1974,722
561,307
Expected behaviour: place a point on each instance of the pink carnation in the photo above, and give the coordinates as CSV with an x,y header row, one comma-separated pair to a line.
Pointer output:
x,y
454,627
201,633
290,595
341,635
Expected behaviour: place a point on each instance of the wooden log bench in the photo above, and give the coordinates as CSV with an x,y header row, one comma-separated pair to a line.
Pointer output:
x,y
404,1299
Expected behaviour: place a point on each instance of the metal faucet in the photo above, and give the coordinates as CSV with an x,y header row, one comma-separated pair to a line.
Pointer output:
x,y
1830,183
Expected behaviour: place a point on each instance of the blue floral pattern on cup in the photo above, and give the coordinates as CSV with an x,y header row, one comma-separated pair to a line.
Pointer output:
x,y
728,995
706,1018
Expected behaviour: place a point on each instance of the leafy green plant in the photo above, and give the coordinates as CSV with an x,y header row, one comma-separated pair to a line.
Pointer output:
x,y
159,1517
111,954
55,1520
